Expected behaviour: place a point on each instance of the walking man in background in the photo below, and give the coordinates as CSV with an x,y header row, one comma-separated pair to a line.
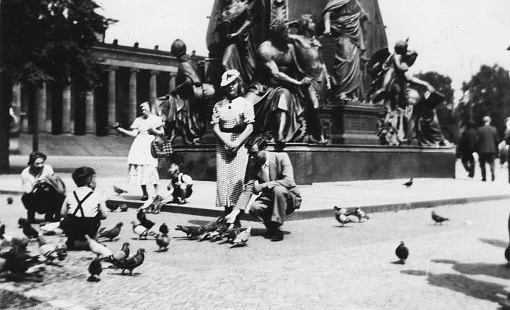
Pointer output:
x,y
467,146
487,146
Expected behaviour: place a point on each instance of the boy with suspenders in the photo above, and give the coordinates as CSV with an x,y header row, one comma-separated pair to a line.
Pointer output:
x,y
181,185
82,210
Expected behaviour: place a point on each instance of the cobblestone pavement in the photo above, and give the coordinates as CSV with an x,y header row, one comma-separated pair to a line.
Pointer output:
x,y
458,265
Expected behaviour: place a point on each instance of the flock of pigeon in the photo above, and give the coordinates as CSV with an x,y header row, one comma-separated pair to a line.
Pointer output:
x,y
349,215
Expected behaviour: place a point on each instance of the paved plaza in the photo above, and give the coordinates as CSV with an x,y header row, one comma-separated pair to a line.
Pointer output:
x,y
458,265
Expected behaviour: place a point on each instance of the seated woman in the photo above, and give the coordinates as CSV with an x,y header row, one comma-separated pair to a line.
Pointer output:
x,y
44,192
83,210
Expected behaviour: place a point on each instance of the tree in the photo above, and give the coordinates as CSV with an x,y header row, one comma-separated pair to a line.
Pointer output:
x,y
48,40
489,94
444,111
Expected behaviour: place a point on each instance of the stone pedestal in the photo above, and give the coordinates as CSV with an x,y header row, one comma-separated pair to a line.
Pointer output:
x,y
351,123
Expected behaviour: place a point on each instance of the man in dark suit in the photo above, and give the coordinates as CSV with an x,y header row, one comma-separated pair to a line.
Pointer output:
x,y
487,146
270,192
467,146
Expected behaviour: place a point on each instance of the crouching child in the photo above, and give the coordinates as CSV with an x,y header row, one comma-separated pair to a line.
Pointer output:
x,y
83,210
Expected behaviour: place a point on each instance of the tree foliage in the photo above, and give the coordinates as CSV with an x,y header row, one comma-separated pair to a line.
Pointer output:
x,y
50,40
444,111
486,93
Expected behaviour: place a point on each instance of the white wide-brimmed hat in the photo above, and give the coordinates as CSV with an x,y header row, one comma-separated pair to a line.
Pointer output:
x,y
229,76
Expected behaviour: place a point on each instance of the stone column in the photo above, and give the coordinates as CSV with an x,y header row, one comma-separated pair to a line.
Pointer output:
x,y
153,91
90,120
132,94
66,110
112,100
40,101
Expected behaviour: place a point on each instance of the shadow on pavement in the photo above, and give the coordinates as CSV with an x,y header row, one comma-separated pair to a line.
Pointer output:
x,y
470,287
495,242
462,284
14,300
492,270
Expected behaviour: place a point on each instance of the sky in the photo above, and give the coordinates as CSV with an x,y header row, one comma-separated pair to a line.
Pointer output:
x,y
452,37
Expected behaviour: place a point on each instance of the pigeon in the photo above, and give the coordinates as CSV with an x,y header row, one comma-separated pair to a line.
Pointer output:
x,y
341,215
191,231
112,207
118,190
98,248
408,183
242,238
153,206
163,229
507,254
95,270
9,200
17,259
28,230
133,262
123,207
140,215
360,214
438,219
140,230
111,233
402,252
51,251
162,242
119,256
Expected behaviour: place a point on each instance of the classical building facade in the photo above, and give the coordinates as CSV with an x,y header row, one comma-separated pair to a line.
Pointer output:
x,y
131,75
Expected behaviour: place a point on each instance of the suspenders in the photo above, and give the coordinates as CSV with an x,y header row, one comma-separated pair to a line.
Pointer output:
x,y
80,202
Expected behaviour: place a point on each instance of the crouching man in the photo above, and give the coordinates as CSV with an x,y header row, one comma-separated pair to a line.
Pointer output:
x,y
270,192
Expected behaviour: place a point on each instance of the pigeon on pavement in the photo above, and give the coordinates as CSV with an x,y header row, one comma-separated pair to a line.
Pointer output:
x,y
408,183
402,253
140,215
133,262
140,230
163,229
438,219
340,215
118,190
95,270
111,233
123,207
190,231
242,238
98,248
162,242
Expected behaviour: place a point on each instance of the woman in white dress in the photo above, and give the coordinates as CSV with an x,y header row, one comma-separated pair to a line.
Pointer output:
x,y
142,165
233,119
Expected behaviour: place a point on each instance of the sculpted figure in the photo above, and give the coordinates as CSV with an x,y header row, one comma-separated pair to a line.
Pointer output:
x,y
236,26
278,93
184,111
310,63
342,20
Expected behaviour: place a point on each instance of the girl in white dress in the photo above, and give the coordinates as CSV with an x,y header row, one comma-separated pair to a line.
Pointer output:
x,y
142,165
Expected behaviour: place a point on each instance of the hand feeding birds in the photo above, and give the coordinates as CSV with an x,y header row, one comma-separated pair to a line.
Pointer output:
x,y
438,219
402,253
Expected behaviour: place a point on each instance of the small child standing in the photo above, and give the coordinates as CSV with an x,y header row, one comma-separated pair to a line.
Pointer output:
x,y
181,185
82,210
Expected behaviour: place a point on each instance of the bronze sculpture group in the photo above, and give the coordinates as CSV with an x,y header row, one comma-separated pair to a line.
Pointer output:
x,y
283,75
